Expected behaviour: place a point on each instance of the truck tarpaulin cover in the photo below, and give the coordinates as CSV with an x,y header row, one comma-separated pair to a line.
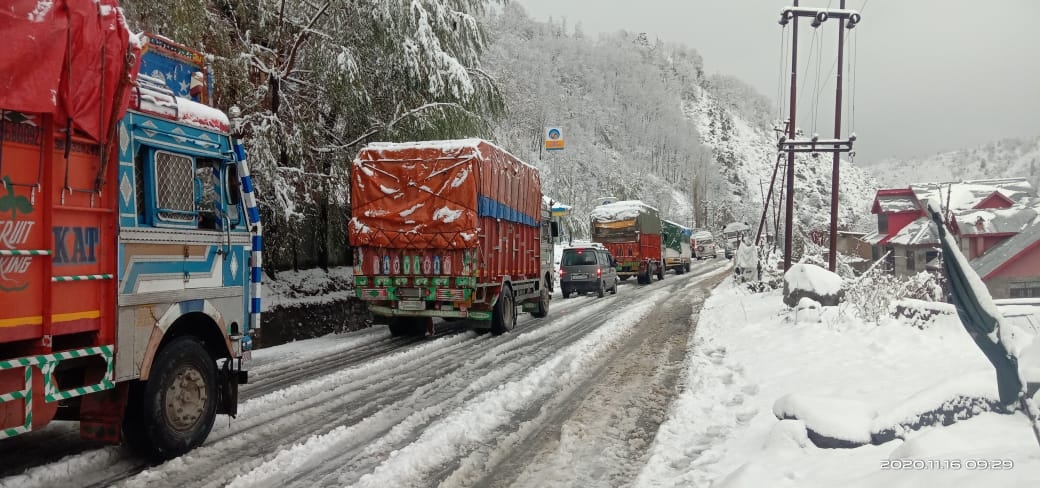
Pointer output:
x,y
67,58
433,194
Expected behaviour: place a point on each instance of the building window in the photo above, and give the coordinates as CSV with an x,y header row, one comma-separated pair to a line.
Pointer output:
x,y
910,261
1027,289
882,223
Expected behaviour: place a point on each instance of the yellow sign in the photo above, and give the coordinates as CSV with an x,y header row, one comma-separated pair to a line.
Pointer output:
x,y
553,138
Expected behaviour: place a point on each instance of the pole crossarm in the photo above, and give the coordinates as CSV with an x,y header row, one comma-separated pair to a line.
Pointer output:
x,y
820,15
816,145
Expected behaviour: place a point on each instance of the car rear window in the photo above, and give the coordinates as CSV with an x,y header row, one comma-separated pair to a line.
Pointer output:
x,y
578,257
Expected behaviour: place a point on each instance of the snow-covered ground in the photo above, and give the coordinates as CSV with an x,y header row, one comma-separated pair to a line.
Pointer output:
x,y
748,358
619,391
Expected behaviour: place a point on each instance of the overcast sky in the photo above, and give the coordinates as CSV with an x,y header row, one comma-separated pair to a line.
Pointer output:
x,y
931,75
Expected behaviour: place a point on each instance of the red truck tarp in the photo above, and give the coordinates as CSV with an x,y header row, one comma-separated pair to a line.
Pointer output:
x,y
432,194
68,58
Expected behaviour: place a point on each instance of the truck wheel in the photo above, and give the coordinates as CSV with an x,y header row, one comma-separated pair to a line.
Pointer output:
x,y
543,303
643,278
173,411
601,289
660,273
503,318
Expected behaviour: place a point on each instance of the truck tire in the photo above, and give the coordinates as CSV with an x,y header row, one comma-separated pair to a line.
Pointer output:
x,y
173,411
543,303
660,273
503,318
643,278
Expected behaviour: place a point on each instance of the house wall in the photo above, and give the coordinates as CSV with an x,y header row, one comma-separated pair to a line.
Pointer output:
x,y
853,246
976,245
897,221
1022,271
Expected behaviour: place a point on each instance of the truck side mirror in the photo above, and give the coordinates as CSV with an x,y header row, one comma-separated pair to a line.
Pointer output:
x,y
554,228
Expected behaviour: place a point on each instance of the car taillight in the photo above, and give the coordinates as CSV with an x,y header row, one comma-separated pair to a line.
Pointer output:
x,y
561,273
599,272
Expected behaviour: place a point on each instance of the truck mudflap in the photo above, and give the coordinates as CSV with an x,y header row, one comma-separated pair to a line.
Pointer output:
x,y
229,376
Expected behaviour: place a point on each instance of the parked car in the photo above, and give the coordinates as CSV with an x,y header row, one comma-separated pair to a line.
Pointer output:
x,y
587,268
703,244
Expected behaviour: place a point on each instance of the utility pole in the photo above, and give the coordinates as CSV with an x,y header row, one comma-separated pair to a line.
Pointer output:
x,y
847,20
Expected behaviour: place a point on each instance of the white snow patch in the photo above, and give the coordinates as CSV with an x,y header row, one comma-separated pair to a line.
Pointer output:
x,y
447,215
809,277
405,213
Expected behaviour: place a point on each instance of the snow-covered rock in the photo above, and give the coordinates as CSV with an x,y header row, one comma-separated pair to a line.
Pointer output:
x,y
829,422
808,280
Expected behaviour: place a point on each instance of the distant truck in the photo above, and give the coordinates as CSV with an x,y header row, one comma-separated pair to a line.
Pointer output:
x,y
454,229
703,244
129,234
734,233
631,230
677,250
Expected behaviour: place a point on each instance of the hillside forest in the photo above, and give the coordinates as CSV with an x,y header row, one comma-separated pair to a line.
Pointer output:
x,y
316,81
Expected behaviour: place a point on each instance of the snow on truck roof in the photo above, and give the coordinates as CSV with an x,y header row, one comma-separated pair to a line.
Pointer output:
x,y
445,146
623,210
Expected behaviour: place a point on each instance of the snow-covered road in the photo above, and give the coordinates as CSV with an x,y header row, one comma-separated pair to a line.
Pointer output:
x,y
573,399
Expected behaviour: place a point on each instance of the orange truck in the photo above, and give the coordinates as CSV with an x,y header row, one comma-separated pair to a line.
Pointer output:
x,y
128,226
454,229
632,231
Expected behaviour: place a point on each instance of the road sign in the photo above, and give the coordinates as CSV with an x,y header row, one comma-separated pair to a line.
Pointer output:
x,y
553,138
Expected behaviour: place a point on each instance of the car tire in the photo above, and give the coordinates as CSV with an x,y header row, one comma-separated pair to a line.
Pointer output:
x,y
601,289
565,291
613,291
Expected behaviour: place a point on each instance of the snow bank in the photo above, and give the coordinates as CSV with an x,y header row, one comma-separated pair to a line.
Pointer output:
x,y
746,359
844,420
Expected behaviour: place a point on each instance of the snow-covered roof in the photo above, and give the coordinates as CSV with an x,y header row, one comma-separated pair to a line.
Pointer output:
x,y
702,235
201,115
965,195
874,237
998,255
735,227
623,210
995,221
897,203
917,233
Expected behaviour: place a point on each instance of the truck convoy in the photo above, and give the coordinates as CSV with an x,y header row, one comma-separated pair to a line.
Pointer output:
x,y
677,246
454,229
127,229
631,230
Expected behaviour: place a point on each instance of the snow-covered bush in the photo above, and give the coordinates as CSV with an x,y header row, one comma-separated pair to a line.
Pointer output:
x,y
873,294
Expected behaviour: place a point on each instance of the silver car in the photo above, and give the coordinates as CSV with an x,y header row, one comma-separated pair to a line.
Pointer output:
x,y
587,268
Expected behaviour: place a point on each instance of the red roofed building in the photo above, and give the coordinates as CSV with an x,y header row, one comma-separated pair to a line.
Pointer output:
x,y
992,220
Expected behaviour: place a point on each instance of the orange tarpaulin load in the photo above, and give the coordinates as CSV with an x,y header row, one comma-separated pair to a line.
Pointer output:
x,y
432,194
68,58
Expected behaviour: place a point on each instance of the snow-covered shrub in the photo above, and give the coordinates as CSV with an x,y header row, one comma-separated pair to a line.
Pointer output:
x,y
873,294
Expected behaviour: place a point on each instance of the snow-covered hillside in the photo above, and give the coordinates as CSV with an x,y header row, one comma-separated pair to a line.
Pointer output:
x,y
746,156
1001,159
